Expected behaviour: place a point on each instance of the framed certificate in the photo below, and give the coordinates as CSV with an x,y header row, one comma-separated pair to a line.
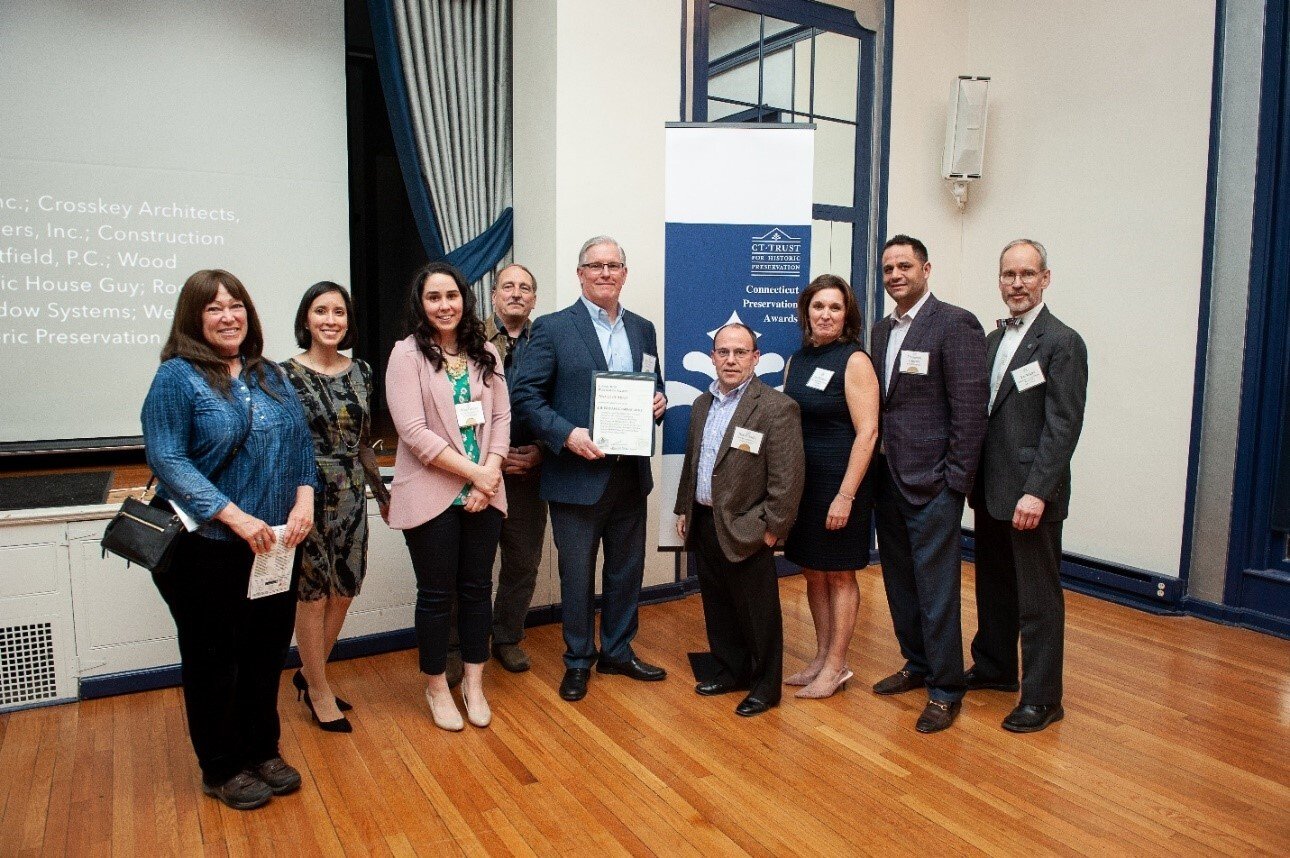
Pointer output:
x,y
622,413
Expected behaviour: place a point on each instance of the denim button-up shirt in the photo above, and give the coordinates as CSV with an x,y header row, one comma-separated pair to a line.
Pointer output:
x,y
189,429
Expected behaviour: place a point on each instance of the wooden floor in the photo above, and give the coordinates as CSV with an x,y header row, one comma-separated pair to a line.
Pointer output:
x,y
1175,742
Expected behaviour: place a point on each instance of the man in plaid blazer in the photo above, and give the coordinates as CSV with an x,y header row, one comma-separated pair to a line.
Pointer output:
x,y
931,360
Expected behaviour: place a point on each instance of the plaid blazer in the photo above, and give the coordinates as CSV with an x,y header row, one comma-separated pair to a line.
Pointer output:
x,y
932,426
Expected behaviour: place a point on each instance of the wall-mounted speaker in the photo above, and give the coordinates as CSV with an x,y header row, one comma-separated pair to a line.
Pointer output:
x,y
965,128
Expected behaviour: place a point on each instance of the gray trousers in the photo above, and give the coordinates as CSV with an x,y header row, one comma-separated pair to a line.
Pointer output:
x,y
523,535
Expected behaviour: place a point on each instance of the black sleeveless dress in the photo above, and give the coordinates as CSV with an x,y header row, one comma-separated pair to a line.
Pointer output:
x,y
827,435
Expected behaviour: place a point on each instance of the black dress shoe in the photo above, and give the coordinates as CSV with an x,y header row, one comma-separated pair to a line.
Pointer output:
x,y
899,682
714,687
634,669
752,706
574,684
1028,718
977,682
938,715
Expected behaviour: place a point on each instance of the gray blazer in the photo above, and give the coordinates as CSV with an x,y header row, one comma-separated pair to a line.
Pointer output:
x,y
1031,434
751,493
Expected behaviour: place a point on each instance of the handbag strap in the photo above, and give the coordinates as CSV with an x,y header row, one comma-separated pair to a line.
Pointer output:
x,y
228,458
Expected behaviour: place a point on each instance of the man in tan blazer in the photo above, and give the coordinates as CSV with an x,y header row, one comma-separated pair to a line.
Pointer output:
x,y
740,484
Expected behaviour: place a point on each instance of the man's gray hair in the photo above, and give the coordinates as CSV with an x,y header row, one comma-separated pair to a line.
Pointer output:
x,y
1039,248
597,240
523,268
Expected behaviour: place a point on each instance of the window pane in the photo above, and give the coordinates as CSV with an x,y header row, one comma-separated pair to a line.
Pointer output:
x,y
836,77
733,65
831,249
835,158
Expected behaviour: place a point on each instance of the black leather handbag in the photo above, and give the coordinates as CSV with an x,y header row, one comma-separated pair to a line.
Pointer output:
x,y
146,533
143,534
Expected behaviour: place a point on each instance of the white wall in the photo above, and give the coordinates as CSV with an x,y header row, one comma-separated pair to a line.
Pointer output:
x,y
1097,146
1098,138
595,81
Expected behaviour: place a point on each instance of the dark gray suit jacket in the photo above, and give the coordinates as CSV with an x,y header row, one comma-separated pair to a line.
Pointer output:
x,y
751,493
1032,433
932,425
551,394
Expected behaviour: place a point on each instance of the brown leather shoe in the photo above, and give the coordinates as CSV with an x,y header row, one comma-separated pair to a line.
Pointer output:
x,y
900,682
277,775
512,657
243,791
937,716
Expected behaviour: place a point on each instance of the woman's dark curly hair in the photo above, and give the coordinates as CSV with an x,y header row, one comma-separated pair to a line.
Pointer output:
x,y
470,330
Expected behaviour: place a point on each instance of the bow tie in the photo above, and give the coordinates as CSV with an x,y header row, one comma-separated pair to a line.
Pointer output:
x,y
1011,322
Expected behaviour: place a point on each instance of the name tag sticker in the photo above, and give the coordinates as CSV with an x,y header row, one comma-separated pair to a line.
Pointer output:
x,y
648,362
747,440
1028,376
470,414
820,378
913,363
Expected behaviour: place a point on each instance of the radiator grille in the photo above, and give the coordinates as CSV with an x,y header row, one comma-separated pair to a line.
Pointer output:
x,y
27,664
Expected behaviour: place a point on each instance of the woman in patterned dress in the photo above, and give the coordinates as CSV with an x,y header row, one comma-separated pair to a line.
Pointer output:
x,y
335,392
449,404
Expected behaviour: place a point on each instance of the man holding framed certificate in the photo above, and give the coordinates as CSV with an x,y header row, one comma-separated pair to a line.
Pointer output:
x,y
594,367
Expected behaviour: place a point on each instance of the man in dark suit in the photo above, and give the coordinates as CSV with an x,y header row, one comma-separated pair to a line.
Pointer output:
x,y
593,498
931,357
1037,388
740,484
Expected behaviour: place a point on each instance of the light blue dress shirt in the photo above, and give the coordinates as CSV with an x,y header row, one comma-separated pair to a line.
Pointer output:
x,y
714,431
612,336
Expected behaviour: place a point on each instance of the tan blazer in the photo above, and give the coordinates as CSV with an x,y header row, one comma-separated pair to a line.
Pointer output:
x,y
421,405
751,493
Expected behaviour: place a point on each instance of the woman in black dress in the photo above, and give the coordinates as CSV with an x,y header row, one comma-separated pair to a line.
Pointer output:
x,y
833,381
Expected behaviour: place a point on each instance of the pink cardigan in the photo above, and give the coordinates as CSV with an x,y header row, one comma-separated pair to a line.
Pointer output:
x,y
421,404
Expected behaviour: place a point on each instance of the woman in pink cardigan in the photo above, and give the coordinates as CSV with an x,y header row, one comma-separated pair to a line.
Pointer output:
x,y
449,402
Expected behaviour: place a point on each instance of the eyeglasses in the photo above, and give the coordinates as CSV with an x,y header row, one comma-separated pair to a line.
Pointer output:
x,y
739,354
522,288
1027,277
611,267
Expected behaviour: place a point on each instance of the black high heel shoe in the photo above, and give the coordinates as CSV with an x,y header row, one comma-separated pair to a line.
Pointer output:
x,y
302,688
340,725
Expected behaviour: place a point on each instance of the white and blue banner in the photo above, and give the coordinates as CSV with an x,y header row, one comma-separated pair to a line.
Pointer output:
x,y
738,211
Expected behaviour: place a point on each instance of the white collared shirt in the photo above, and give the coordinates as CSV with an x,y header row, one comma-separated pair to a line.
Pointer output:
x,y
1012,337
899,328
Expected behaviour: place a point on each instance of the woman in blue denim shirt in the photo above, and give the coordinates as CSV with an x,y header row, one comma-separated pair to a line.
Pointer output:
x,y
227,440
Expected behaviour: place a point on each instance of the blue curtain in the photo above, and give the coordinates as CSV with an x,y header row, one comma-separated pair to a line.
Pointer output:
x,y
481,254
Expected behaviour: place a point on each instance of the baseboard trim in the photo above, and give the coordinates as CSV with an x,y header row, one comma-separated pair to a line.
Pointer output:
x,y
1113,582
1240,617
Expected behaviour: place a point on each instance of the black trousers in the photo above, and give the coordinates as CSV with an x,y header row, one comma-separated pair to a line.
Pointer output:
x,y
523,534
452,557
232,650
1019,594
741,611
